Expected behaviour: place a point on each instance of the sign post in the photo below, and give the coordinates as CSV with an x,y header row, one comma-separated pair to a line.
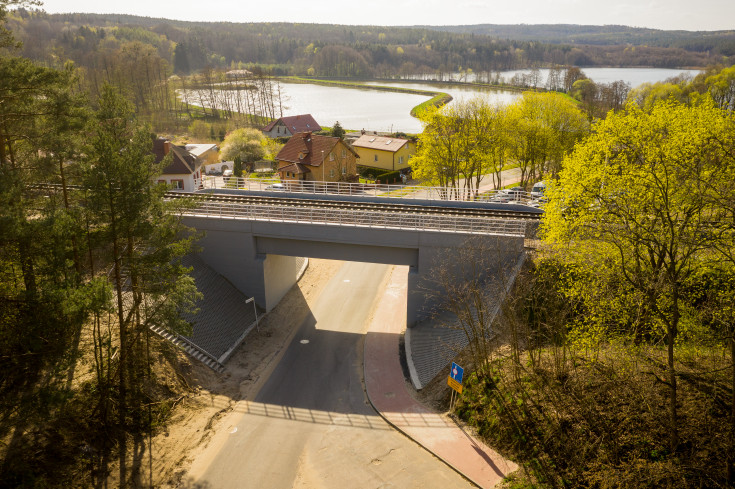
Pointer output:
x,y
455,382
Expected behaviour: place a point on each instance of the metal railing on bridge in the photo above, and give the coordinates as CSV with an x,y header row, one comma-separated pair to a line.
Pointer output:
x,y
368,219
368,190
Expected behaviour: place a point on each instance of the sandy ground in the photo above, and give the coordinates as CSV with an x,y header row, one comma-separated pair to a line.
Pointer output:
x,y
197,416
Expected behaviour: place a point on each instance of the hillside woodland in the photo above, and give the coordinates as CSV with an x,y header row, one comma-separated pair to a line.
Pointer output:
x,y
611,363
359,51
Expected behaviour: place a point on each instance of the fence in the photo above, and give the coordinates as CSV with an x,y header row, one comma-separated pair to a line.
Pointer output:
x,y
367,189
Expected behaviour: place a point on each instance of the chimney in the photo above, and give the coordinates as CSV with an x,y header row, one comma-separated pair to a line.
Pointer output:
x,y
166,147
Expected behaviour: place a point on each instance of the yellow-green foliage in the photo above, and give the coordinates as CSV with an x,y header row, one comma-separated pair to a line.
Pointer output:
x,y
247,144
632,210
462,139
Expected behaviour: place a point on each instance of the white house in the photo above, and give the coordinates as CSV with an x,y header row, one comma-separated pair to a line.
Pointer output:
x,y
208,154
185,170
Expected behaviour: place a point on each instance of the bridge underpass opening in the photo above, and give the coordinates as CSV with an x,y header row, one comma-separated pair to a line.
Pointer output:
x,y
278,255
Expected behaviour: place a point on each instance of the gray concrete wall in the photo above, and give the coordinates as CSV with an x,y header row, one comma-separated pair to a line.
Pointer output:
x,y
253,255
280,273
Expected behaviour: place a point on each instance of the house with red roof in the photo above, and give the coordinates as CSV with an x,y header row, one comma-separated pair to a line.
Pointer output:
x,y
185,170
285,127
309,157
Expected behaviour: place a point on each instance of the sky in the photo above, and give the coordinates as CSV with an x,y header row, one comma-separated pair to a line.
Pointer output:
x,y
657,14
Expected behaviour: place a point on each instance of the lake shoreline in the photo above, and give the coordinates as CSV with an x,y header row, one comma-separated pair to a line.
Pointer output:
x,y
438,99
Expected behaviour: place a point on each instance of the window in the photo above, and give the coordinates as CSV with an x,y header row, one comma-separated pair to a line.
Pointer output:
x,y
376,157
331,173
177,184
344,153
331,156
400,160
344,170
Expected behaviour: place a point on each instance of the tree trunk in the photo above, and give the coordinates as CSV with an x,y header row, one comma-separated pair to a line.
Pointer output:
x,y
731,453
672,329
122,370
75,247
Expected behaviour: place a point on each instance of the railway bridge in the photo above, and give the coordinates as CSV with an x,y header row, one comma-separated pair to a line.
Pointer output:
x,y
255,239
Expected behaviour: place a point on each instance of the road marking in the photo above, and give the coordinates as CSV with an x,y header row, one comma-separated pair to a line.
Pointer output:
x,y
304,342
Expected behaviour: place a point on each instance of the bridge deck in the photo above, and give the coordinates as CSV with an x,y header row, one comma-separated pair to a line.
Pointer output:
x,y
370,219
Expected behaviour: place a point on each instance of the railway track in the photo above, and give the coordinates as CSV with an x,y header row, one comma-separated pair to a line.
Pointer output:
x,y
302,202
356,206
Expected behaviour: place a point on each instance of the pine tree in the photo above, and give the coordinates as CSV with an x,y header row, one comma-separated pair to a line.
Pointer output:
x,y
144,236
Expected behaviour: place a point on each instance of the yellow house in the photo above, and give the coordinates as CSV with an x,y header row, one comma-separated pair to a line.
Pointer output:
x,y
384,152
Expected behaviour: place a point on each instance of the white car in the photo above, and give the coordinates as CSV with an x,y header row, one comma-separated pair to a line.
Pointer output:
x,y
538,190
276,187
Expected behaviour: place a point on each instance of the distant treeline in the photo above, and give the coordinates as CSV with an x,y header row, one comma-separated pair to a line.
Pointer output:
x,y
720,43
350,51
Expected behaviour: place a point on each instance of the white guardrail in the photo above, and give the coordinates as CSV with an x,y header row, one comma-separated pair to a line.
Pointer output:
x,y
366,190
368,219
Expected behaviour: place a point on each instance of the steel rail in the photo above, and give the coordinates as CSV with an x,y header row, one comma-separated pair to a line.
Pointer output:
x,y
367,219
363,206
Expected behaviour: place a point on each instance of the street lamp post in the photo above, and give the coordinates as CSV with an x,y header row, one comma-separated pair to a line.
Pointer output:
x,y
323,166
252,299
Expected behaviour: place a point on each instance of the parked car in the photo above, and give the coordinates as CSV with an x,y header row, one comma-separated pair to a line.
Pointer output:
x,y
226,175
501,197
517,193
538,189
276,187
508,195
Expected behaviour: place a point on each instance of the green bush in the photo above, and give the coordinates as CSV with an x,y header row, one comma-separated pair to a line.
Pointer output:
x,y
383,176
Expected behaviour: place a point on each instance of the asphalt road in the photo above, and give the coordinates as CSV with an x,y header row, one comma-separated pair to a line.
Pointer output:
x,y
311,425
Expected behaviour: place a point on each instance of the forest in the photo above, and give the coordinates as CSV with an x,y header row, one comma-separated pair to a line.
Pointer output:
x,y
609,362
718,42
351,51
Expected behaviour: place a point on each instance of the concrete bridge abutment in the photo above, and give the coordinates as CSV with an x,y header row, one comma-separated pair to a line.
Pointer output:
x,y
263,258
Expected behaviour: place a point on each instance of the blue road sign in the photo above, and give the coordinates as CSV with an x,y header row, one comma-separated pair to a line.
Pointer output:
x,y
456,372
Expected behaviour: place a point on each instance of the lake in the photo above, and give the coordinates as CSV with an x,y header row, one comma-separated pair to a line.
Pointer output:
x,y
634,76
374,110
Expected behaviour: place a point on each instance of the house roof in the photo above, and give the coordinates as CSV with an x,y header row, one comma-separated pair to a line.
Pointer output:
x,y
183,163
380,143
296,168
309,149
296,123
238,74
199,149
